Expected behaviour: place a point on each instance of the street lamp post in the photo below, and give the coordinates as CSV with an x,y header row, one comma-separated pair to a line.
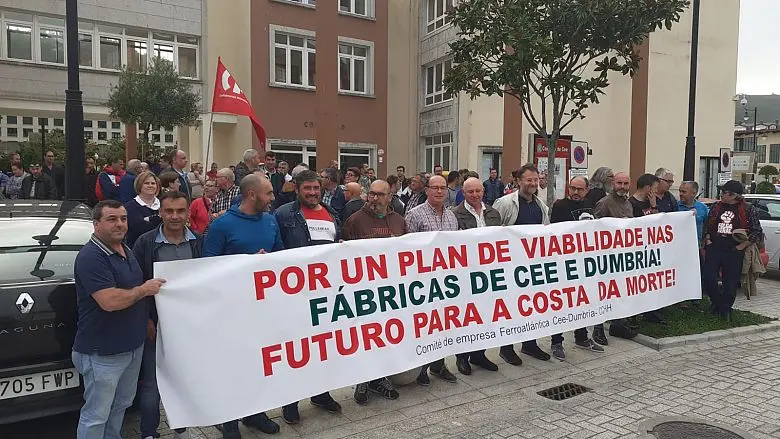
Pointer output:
x,y
690,141
74,109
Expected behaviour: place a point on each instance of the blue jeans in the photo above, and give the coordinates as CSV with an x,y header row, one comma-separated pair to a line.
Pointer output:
x,y
110,382
150,394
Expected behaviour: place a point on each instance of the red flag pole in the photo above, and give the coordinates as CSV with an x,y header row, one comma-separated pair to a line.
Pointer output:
x,y
208,142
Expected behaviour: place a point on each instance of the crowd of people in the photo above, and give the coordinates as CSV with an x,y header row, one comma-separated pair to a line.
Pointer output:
x,y
156,212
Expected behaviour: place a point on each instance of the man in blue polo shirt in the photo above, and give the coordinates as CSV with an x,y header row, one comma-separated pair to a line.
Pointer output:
x,y
112,323
246,229
172,241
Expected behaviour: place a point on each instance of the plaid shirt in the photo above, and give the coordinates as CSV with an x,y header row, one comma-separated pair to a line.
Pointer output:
x,y
327,195
225,199
414,201
424,218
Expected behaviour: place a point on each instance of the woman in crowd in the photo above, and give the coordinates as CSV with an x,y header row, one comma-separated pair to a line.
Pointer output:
x,y
143,211
13,188
199,209
169,182
196,179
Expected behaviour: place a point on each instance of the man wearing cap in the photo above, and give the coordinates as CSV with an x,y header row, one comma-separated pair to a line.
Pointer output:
x,y
722,253
37,185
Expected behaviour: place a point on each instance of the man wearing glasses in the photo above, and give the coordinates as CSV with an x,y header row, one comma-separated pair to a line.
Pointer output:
x,y
375,220
722,253
431,216
666,201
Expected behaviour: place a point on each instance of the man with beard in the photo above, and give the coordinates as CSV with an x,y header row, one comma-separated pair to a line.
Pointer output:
x,y
575,207
429,217
523,207
615,205
375,220
246,229
473,213
305,222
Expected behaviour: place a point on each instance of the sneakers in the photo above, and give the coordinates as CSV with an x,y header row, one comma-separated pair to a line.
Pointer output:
x,y
599,336
536,352
327,403
422,378
290,414
361,393
183,435
444,374
558,352
261,422
484,363
463,366
383,387
508,354
588,345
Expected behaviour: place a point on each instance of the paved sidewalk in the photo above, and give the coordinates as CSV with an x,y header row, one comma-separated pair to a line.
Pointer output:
x,y
733,382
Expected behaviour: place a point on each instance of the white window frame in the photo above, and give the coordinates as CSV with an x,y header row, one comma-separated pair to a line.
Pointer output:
x,y
10,22
439,20
436,90
306,3
368,73
37,41
436,144
370,8
306,51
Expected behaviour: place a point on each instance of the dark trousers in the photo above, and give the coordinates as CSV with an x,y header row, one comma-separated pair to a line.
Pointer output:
x,y
724,262
530,344
322,397
580,335
474,354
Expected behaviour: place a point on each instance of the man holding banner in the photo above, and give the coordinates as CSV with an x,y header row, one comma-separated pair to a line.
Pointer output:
x,y
431,216
246,229
320,225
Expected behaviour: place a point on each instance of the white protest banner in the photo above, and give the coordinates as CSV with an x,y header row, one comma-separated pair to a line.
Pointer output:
x,y
247,333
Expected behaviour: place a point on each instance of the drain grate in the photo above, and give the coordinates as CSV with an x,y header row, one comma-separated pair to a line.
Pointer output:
x,y
564,391
691,430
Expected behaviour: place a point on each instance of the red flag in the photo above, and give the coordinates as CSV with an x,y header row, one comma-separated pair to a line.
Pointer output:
x,y
228,98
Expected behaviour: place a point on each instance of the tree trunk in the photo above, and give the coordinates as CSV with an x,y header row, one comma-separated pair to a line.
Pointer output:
x,y
552,148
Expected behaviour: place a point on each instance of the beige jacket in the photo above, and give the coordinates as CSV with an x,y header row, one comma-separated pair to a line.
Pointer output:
x,y
509,205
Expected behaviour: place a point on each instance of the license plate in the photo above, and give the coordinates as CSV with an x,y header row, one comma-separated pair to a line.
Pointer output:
x,y
25,385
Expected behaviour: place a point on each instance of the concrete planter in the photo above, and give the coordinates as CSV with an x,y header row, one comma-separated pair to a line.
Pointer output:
x,y
405,378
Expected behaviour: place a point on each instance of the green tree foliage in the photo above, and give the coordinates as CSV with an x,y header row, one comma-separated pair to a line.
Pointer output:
x,y
765,187
768,171
554,56
155,98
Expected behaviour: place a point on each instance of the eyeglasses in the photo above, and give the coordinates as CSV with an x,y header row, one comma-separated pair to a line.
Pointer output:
x,y
438,188
577,189
376,194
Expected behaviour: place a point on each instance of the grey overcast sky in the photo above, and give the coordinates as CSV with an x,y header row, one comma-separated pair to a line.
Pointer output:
x,y
758,70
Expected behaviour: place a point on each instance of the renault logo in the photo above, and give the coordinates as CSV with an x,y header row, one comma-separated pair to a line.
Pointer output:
x,y
25,303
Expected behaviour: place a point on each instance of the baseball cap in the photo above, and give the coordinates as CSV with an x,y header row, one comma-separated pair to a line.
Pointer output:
x,y
732,186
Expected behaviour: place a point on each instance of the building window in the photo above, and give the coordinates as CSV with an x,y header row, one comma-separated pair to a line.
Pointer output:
x,y
116,125
155,138
434,83
169,138
116,136
43,121
137,56
353,68
761,156
13,132
27,120
19,41
294,60
26,132
10,120
87,124
188,62
88,135
102,124
59,122
303,2
437,151
164,51
354,157
110,53
52,46
85,50
774,153
357,7
437,14
102,135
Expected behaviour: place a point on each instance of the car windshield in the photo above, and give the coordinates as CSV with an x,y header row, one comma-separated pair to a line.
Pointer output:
x,y
25,253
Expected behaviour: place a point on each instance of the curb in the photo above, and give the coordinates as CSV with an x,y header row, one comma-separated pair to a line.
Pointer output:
x,y
673,342
646,427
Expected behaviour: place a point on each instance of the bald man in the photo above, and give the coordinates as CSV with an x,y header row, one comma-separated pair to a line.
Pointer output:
x,y
354,193
246,229
616,204
472,213
179,164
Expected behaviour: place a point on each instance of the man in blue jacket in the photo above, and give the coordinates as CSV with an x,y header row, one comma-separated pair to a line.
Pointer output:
x,y
246,229
172,241
304,222
127,184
